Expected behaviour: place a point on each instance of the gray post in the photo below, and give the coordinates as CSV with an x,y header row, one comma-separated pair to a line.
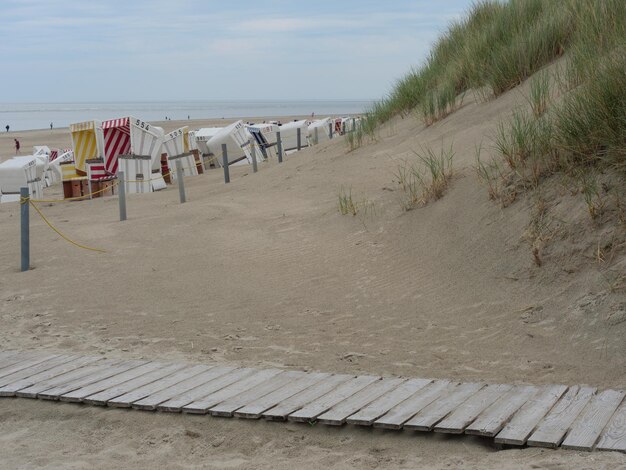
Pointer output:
x,y
299,137
181,181
122,195
330,129
279,143
315,135
253,152
225,164
353,125
25,228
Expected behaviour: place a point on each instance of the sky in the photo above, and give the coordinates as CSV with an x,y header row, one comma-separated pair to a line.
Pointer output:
x,y
135,50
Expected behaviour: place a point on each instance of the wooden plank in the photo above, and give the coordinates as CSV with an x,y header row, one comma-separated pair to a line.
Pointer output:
x,y
8,358
7,354
176,404
380,406
459,419
494,418
297,401
151,402
312,410
338,414
80,394
552,429
402,412
203,405
87,369
590,423
55,393
255,409
11,389
12,361
228,407
426,419
143,391
517,431
35,369
26,364
103,397
614,435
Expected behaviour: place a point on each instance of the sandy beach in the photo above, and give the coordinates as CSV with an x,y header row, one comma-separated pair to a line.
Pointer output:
x,y
266,272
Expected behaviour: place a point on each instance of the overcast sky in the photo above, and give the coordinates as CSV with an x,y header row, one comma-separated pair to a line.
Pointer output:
x,y
85,50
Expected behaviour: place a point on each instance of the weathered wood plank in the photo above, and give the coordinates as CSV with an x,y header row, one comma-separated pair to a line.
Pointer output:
x,y
33,361
35,369
203,405
338,414
8,358
78,395
228,407
401,413
297,401
468,411
426,419
12,388
103,397
254,409
87,369
590,423
10,362
494,418
614,435
555,425
55,393
151,402
176,404
380,406
312,410
136,394
521,426
7,354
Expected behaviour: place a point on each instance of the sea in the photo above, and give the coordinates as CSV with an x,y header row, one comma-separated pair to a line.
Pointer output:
x,y
28,116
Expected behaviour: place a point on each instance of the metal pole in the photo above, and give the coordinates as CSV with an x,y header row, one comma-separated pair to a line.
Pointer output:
x,y
181,182
225,164
279,143
25,228
253,152
122,195
316,136
299,136
330,130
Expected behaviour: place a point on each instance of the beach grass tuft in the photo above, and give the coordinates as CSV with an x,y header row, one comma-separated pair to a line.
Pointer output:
x,y
425,178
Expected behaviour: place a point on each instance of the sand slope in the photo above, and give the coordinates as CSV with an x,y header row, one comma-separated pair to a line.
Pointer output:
x,y
265,271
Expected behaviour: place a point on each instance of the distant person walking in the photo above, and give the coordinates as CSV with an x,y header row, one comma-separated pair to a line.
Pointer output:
x,y
7,128
17,146
50,126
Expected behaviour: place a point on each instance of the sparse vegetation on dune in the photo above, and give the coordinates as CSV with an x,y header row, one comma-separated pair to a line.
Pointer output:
x,y
425,178
499,45
573,127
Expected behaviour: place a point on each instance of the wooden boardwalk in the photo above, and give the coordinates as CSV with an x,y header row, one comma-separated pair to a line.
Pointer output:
x,y
575,417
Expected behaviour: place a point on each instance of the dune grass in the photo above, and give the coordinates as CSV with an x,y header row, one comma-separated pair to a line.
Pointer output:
x,y
426,178
498,45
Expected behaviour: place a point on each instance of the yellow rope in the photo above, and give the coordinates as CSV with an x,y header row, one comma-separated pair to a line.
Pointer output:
x,y
77,198
25,200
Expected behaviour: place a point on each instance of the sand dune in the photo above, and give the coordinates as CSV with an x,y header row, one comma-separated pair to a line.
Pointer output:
x,y
266,272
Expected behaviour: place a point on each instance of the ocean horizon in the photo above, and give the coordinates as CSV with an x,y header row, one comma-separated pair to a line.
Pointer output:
x,y
32,116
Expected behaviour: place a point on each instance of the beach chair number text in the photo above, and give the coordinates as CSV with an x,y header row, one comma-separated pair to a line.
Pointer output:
x,y
143,125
